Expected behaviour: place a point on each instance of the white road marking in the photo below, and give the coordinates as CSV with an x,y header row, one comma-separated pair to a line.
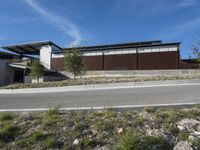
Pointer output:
x,y
88,88
102,107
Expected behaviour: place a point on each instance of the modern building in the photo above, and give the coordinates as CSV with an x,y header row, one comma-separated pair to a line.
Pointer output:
x,y
128,56
149,55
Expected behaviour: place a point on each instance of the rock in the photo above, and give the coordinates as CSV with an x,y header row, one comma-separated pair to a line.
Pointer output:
x,y
120,130
188,124
76,142
170,139
192,138
101,148
197,133
27,116
181,128
64,128
183,146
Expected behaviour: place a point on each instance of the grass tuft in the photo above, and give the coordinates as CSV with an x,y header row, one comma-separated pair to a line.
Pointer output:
x,y
6,116
8,132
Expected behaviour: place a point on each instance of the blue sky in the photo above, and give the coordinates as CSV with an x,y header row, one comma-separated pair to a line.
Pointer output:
x,y
92,22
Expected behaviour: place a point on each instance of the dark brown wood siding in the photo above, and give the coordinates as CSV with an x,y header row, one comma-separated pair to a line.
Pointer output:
x,y
140,61
158,60
120,62
57,64
93,62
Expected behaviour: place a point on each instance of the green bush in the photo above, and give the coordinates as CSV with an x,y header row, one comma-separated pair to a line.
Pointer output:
x,y
8,132
133,141
6,116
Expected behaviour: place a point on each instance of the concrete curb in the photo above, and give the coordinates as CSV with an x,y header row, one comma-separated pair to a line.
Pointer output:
x,y
124,85
125,107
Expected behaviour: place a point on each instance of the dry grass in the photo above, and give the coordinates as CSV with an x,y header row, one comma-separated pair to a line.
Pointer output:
x,y
98,80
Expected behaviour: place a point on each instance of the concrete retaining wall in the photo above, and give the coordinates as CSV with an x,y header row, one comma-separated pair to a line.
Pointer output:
x,y
130,73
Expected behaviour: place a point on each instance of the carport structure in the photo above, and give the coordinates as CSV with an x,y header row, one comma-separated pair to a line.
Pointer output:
x,y
41,50
31,48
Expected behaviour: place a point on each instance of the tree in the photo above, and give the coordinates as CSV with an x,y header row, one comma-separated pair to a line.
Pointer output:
x,y
73,62
37,70
196,49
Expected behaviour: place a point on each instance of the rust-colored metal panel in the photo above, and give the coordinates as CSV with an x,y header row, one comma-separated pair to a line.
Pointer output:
x,y
57,64
158,60
120,62
93,62
189,65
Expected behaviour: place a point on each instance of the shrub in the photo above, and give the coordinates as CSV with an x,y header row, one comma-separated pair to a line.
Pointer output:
x,y
133,141
6,116
8,132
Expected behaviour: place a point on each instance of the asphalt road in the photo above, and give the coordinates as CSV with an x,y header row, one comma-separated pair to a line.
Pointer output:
x,y
103,97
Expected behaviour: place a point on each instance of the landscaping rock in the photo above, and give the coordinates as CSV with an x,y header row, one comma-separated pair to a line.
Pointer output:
x,y
76,142
188,124
183,146
120,130
101,148
27,116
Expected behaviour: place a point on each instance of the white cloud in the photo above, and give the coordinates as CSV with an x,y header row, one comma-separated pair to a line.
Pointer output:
x,y
62,23
187,3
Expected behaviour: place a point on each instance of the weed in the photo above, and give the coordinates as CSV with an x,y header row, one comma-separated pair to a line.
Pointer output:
x,y
110,112
37,136
87,143
149,109
105,125
6,116
196,143
8,132
50,142
52,116
134,141
183,135
139,121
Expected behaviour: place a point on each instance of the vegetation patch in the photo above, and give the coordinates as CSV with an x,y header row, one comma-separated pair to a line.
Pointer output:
x,y
149,129
98,80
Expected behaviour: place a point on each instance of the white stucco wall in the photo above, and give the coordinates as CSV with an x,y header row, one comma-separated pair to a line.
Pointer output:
x,y
45,56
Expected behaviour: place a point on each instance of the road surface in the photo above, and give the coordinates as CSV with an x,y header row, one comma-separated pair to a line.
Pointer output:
x,y
144,95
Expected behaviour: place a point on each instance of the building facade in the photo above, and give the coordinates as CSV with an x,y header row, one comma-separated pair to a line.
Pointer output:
x,y
129,56
150,55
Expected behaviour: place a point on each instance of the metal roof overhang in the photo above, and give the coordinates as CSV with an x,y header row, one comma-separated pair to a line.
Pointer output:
x,y
121,46
32,48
